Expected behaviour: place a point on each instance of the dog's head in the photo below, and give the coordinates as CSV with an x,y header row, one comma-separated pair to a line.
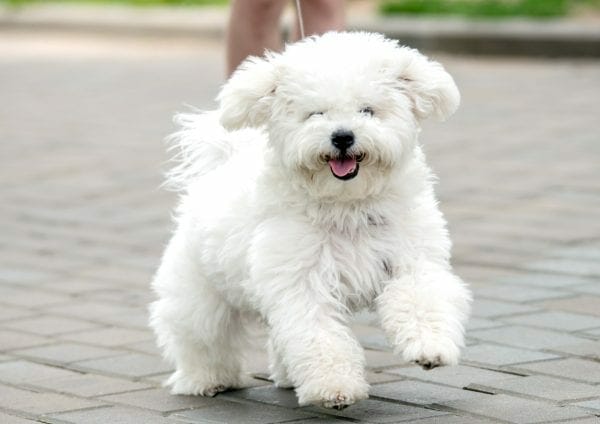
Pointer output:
x,y
342,110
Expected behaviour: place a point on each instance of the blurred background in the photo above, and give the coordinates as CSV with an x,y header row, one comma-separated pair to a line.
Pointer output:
x,y
88,90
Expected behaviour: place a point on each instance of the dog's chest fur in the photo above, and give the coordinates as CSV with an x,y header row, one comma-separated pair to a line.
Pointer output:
x,y
359,248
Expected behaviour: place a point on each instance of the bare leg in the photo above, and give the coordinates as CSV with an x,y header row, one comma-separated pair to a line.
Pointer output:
x,y
321,16
253,28
254,25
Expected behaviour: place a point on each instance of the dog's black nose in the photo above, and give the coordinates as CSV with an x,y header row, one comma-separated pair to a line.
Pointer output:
x,y
342,139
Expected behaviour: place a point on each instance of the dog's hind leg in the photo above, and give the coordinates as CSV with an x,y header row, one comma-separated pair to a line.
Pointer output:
x,y
198,331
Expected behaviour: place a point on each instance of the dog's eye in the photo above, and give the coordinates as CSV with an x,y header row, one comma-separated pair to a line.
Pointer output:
x,y
367,110
310,115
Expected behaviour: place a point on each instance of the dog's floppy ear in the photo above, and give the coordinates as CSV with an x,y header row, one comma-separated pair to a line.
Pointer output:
x,y
431,88
245,99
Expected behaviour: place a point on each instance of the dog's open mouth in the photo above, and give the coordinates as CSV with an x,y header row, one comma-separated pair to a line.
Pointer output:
x,y
345,167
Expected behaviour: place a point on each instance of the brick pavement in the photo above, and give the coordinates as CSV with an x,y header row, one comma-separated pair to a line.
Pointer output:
x,y
83,223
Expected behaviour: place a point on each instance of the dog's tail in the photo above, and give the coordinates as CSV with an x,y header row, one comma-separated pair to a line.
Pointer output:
x,y
200,145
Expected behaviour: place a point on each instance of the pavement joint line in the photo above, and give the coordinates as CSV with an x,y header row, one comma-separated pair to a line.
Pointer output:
x,y
576,380
520,268
55,342
461,412
570,355
482,388
494,368
41,390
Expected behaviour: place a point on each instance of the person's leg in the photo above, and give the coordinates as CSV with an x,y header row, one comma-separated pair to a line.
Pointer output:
x,y
253,28
321,16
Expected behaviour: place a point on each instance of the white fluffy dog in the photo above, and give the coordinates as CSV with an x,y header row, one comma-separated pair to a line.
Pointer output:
x,y
306,197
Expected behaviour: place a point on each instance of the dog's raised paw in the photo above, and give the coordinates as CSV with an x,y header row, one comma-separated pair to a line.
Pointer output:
x,y
181,385
431,352
331,392
338,401
214,390
429,364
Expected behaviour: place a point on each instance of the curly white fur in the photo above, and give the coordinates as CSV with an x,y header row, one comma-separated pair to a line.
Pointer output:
x,y
267,233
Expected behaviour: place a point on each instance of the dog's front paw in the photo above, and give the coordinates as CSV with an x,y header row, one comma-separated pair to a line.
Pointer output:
x,y
195,385
430,351
333,392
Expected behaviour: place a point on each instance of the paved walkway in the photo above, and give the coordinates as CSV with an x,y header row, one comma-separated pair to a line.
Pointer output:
x,y
83,222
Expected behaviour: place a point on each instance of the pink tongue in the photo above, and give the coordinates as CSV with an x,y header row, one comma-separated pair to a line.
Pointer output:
x,y
342,167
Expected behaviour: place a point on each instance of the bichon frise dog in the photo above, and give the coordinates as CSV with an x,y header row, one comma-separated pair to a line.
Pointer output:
x,y
306,197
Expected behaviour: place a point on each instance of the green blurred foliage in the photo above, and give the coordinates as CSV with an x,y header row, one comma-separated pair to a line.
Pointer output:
x,y
486,8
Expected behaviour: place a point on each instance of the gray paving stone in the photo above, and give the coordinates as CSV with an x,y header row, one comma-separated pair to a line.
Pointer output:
x,y
46,325
371,337
100,312
22,276
19,372
556,320
109,337
149,347
516,293
130,365
454,419
525,337
377,411
516,410
112,415
65,352
12,419
590,404
475,323
15,340
571,368
502,355
381,359
27,297
266,394
233,412
581,304
589,349
74,286
159,400
456,376
418,392
485,308
332,420
590,288
589,420
567,266
587,251
160,379
35,403
374,377
543,387
13,312
544,280
89,385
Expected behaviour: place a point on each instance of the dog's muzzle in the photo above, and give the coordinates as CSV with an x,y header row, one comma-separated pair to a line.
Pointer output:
x,y
345,167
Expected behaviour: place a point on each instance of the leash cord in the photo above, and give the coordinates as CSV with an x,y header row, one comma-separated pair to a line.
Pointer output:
x,y
300,20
